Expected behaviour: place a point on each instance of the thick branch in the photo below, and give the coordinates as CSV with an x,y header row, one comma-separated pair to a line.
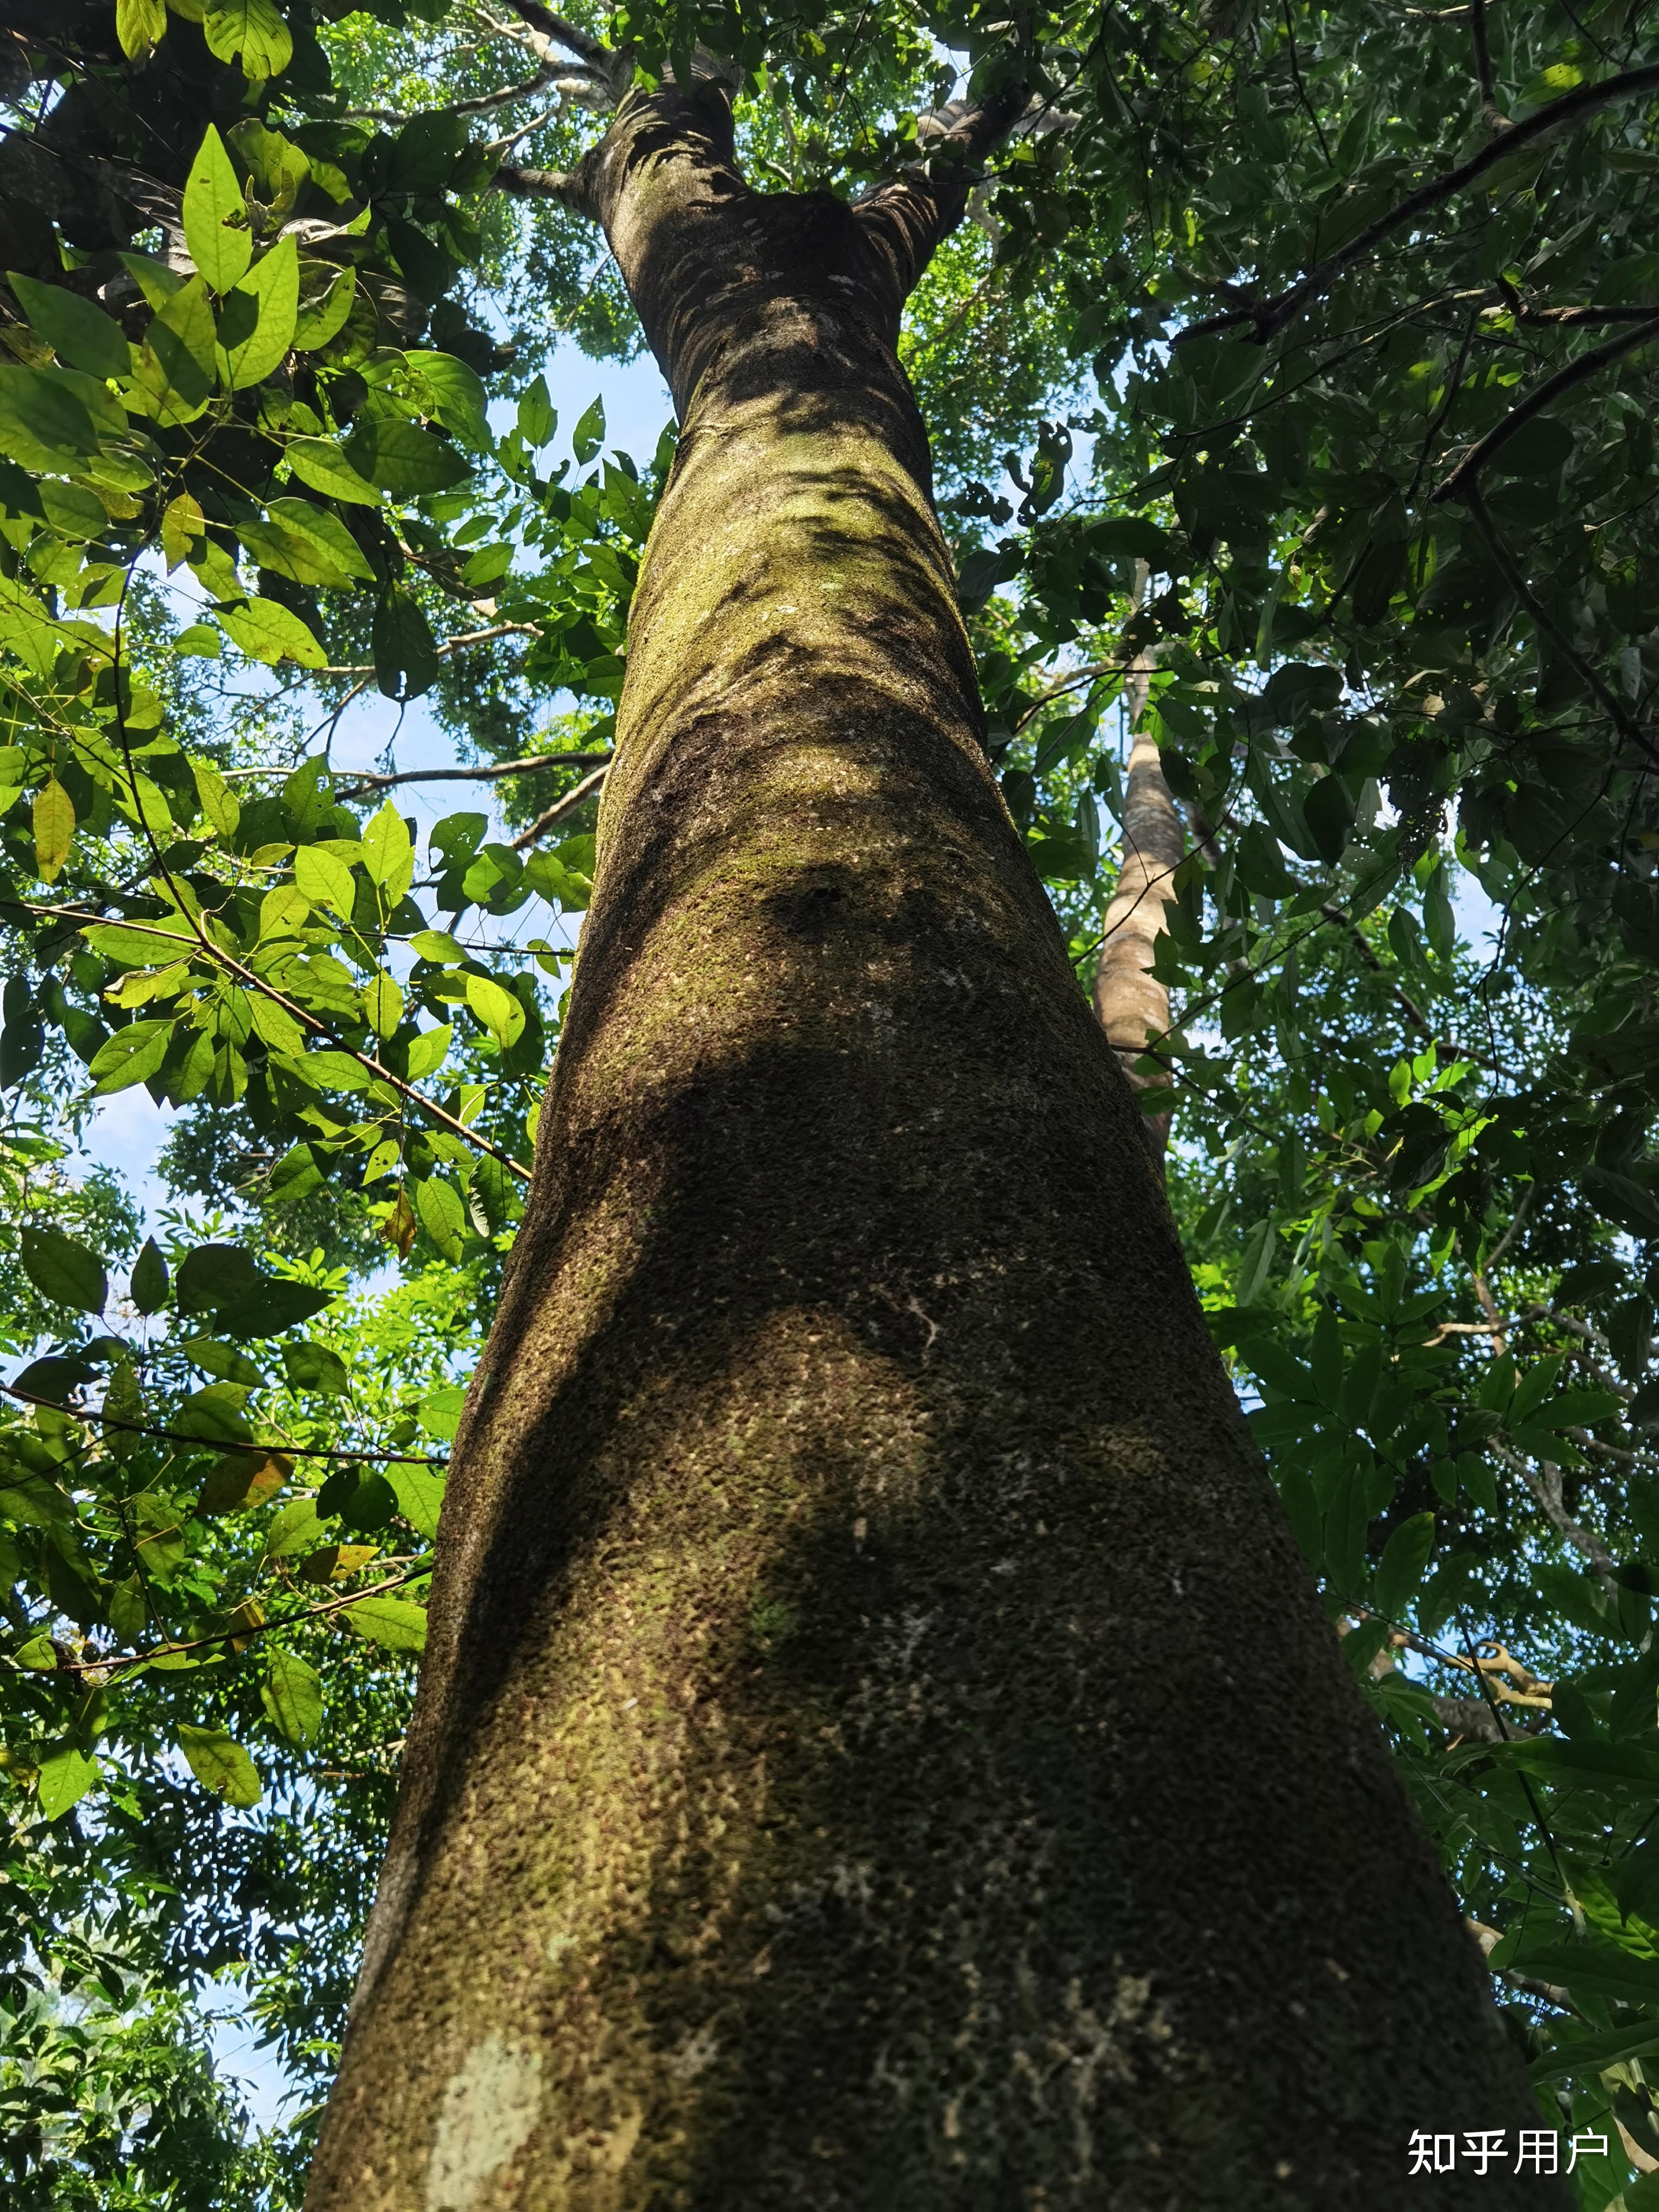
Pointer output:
x,y
603,60
566,185
1574,372
1269,316
1514,576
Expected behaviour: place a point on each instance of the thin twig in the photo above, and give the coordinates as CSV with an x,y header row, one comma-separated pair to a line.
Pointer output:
x,y
1469,491
218,1443
526,767
1489,106
125,1661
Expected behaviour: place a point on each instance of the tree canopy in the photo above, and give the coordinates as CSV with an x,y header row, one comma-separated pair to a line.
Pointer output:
x,y
1293,371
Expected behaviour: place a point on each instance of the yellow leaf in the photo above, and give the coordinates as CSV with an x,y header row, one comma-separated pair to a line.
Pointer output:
x,y
401,1224
54,829
241,1481
182,529
335,1562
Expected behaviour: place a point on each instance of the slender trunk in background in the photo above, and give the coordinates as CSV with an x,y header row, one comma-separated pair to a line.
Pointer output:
x,y
1131,1005
878,1746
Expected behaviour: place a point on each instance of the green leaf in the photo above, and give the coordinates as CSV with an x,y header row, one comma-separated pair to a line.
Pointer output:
x,y
498,1010
295,1527
62,1269
266,630
324,315
311,1366
1591,2055
131,1055
320,463
174,369
440,1412
79,332
139,945
217,231
140,25
336,1071
256,319
589,434
1620,1198
36,1503
253,29
403,459
293,1176
420,1497
391,1621
457,396
218,802
428,1051
383,1005
242,1480
1603,1766
38,1655
438,1204
1404,1563
323,877
292,1695
43,426
223,1280
405,652
1328,812
1597,1970
1581,1408
389,854
220,1764
327,534
148,1287
64,1780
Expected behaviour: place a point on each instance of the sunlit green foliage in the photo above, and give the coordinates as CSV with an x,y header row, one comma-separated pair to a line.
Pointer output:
x,y
1227,374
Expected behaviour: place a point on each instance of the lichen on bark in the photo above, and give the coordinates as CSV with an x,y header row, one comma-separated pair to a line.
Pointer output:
x,y
878,1745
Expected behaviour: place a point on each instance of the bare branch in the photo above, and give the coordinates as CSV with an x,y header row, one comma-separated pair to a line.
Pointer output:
x,y
1545,1483
486,104
492,774
603,60
560,809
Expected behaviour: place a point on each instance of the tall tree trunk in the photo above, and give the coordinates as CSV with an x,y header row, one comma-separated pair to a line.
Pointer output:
x,y
1131,1005
878,1746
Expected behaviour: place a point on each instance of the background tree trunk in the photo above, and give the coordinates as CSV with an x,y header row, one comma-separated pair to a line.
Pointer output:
x,y
1131,1005
878,1746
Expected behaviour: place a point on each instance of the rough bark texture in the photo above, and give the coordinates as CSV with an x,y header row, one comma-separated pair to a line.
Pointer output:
x,y
879,1746
1131,1005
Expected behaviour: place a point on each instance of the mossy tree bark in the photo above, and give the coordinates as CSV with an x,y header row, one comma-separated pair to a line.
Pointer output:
x,y
878,1746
